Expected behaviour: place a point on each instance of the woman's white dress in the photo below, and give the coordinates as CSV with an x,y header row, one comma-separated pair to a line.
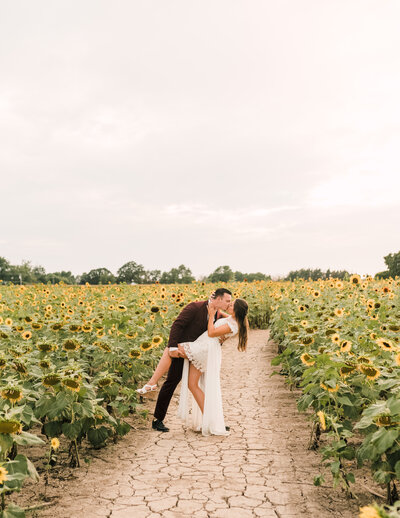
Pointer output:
x,y
205,354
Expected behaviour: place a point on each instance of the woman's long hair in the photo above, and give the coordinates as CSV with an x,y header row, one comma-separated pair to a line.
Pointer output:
x,y
240,307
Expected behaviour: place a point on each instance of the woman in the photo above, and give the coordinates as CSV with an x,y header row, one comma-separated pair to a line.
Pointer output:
x,y
202,375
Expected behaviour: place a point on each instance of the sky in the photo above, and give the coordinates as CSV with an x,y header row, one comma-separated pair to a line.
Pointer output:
x,y
258,134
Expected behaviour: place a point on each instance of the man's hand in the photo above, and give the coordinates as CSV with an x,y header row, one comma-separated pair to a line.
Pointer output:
x,y
222,339
211,310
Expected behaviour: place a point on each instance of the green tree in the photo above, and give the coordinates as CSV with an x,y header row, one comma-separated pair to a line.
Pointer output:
x,y
152,276
393,264
97,276
221,274
180,275
5,268
131,272
57,277
251,277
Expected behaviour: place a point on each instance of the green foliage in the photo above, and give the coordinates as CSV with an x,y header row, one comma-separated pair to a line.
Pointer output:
x,y
393,263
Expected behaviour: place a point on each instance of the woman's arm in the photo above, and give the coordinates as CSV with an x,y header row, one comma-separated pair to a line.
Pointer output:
x,y
225,315
211,329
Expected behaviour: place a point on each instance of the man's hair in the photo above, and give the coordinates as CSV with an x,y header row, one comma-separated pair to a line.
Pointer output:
x,y
220,292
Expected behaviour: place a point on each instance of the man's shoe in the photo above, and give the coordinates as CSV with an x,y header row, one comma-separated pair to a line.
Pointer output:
x,y
227,428
159,426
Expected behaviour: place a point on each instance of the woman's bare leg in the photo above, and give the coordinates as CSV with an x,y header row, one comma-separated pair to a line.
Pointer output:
x,y
198,394
163,365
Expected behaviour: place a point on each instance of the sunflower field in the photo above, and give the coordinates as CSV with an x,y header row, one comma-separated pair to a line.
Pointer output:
x,y
71,358
339,342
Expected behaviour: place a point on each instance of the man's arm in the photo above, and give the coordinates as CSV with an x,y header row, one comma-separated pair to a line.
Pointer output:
x,y
183,319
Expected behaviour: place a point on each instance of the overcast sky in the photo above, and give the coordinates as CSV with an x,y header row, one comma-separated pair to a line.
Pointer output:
x,y
262,134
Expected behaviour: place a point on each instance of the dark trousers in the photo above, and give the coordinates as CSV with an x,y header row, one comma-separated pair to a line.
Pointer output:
x,y
164,397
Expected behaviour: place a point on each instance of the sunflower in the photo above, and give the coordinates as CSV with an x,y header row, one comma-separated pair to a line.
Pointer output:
x,y
370,371
345,346
104,382
12,394
46,347
55,443
131,335
3,363
355,280
346,370
321,417
3,475
307,340
26,335
87,328
146,346
317,293
385,344
135,354
105,347
304,323
364,359
71,345
74,328
307,359
372,336
50,380
8,322
44,364
339,312
157,340
71,384
335,338
121,308
20,367
329,389
369,511
383,420
301,308
100,333
394,327
294,329
10,426
339,285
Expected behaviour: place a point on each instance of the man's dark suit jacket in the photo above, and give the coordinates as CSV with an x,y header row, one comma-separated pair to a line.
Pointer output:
x,y
190,323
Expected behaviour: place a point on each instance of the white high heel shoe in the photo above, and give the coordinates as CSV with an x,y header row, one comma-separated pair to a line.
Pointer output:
x,y
147,388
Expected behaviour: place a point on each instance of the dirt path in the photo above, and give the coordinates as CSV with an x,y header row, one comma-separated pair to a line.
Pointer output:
x,y
262,469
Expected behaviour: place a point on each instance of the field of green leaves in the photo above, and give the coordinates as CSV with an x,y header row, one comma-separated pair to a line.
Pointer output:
x,y
71,358
340,343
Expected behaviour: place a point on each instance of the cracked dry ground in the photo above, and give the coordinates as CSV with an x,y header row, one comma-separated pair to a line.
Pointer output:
x,y
263,468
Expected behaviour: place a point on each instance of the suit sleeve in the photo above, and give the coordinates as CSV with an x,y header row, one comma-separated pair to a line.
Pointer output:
x,y
184,318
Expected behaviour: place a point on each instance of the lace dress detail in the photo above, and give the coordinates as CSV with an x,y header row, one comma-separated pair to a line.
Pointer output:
x,y
205,354
199,360
198,356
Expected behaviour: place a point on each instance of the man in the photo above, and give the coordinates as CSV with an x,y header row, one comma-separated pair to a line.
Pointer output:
x,y
189,325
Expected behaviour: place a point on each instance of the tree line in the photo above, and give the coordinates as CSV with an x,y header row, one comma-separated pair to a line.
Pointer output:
x,y
129,273
134,273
